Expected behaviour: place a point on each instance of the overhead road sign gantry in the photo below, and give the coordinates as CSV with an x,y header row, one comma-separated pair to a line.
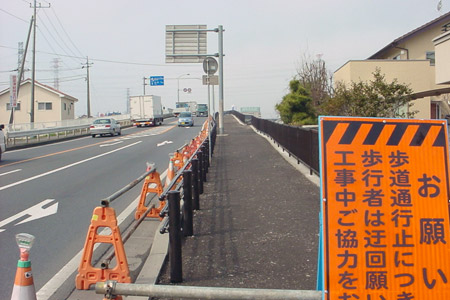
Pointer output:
x,y
187,44
385,208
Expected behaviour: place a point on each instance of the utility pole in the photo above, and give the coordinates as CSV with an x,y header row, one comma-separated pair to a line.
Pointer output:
x,y
220,31
56,73
21,69
33,72
87,65
143,78
128,100
19,57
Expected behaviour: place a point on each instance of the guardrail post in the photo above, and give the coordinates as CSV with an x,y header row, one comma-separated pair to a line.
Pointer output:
x,y
207,155
175,262
213,140
200,171
188,227
204,164
195,185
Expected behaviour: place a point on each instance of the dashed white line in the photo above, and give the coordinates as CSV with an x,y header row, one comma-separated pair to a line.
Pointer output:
x,y
10,172
65,167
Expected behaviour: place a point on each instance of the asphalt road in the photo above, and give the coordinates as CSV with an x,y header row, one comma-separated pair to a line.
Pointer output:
x,y
50,191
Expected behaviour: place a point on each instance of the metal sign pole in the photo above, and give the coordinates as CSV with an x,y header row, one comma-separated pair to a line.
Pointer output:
x,y
209,122
220,79
213,101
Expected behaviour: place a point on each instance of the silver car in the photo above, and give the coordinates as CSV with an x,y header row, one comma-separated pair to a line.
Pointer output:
x,y
185,119
105,126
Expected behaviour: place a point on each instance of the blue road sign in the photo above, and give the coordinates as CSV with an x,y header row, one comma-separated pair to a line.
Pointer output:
x,y
156,80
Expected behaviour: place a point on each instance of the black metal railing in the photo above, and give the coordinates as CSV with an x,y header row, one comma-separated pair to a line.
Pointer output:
x,y
300,142
187,184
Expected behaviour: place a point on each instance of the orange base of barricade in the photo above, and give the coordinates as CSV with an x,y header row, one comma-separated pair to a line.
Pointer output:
x,y
87,274
154,212
115,298
152,184
178,160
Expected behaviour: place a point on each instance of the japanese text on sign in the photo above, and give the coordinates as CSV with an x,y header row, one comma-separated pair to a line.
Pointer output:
x,y
385,209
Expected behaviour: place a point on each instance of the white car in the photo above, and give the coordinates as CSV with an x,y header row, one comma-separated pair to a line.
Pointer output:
x,y
105,126
2,141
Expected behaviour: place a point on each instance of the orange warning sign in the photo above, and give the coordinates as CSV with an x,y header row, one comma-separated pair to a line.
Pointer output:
x,y
385,208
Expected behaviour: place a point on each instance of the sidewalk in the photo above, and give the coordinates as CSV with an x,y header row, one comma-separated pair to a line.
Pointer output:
x,y
257,226
258,222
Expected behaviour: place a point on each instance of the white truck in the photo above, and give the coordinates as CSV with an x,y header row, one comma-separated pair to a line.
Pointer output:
x,y
185,106
146,110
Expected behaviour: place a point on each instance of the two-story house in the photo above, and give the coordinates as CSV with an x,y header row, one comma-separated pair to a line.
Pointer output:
x,y
412,60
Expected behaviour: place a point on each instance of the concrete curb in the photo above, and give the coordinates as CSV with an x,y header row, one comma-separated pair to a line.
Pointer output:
x,y
155,261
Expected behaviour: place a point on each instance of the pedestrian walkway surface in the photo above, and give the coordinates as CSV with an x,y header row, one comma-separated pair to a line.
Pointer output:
x,y
258,222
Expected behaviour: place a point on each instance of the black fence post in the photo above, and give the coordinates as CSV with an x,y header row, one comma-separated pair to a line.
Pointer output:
x,y
200,171
207,155
195,185
205,163
188,227
310,153
175,262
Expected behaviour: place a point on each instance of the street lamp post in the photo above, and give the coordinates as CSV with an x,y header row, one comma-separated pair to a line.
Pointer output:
x,y
178,86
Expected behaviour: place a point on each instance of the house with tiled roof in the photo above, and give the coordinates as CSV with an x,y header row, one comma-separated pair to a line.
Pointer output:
x,y
51,105
419,59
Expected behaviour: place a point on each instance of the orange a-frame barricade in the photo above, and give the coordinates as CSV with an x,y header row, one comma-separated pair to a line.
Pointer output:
x,y
152,184
88,275
178,160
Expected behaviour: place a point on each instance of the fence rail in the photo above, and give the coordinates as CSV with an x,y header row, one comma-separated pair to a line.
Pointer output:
x,y
38,132
111,288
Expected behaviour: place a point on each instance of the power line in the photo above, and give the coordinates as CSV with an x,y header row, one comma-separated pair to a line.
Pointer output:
x,y
111,61
54,51
56,41
70,40
14,15
61,39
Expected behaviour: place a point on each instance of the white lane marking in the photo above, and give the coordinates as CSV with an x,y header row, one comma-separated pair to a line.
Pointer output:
x,y
112,144
63,275
10,172
164,143
35,212
65,167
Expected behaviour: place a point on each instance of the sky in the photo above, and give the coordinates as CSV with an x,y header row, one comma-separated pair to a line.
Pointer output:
x,y
264,43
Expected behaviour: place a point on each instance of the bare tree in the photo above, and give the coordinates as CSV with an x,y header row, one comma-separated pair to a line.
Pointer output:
x,y
313,74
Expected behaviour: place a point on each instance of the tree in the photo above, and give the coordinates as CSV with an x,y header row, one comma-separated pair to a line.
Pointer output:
x,y
315,77
296,107
376,98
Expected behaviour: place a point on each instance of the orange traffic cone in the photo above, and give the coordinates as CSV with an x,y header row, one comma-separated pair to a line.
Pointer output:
x,y
23,284
170,174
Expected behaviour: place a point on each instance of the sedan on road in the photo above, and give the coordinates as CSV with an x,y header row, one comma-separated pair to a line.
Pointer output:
x,y
185,119
105,126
